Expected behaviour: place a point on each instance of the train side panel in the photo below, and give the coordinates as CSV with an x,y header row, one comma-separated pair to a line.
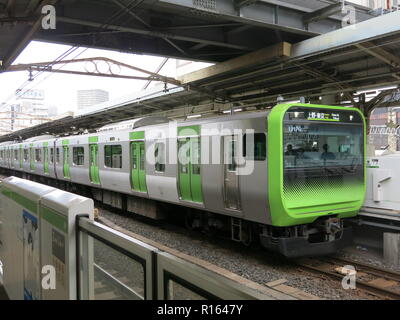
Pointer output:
x,y
114,161
161,173
79,160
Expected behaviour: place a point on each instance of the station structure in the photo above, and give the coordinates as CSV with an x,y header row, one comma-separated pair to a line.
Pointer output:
x,y
263,52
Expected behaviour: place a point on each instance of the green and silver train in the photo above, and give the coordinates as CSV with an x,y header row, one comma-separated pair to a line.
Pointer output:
x,y
287,177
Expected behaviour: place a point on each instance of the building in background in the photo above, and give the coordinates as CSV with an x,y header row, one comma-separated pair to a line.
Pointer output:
x,y
88,98
377,4
384,126
25,110
53,111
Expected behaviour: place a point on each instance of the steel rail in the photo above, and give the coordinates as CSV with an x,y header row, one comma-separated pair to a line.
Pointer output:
x,y
364,285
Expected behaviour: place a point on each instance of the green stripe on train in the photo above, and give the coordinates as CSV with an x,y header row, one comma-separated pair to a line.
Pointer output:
x,y
137,135
93,139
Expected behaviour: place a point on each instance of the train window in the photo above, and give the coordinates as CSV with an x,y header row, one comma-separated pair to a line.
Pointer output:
x,y
113,156
78,156
51,155
159,156
38,155
196,156
184,154
142,157
58,155
15,154
232,156
260,146
26,154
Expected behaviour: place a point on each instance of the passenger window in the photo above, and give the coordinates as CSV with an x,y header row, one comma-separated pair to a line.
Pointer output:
x,y
113,156
260,146
142,157
58,155
78,156
232,156
196,156
159,156
15,154
26,155
51,155
38,155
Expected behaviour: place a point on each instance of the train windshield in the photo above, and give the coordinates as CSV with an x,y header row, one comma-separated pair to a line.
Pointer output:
x,y
322,142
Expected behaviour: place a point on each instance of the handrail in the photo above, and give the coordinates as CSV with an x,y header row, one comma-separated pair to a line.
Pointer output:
x,y
160,267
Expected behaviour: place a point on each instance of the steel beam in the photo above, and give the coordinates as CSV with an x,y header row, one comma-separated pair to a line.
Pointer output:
x,y
148,26
152,33
243,3
378,27
322,13
267,54
10,8
274,14
319,74
25,39
382,55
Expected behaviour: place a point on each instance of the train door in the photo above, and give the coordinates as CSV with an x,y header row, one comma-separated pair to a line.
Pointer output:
x,y
189,174
46,159
13,160
21,156
231,178
32,157
66,171
138,162
94,163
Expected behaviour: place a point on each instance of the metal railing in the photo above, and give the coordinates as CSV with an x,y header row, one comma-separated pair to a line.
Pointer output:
x,y
126,268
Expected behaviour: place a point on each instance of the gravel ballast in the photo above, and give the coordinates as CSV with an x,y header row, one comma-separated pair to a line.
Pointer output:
x,y
252,263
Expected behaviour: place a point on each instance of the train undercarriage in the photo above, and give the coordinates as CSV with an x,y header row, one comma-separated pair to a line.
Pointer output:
x,y
324,236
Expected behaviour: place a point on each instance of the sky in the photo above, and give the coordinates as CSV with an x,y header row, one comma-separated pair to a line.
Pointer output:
x,y
61,89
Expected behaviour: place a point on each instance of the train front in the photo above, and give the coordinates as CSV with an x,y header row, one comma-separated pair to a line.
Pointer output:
x,y
316,173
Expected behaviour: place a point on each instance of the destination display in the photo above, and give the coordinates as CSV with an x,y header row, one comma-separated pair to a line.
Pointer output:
x,y
323,115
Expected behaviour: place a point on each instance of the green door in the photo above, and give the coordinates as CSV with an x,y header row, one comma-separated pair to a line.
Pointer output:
x,y
46,159
66,162
183,167
138,170
94,167
189,169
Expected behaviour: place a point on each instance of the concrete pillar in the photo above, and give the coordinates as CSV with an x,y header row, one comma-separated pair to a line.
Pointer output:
x,y
391,248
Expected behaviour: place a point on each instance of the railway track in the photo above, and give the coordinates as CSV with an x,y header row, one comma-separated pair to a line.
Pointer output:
x,y
377,281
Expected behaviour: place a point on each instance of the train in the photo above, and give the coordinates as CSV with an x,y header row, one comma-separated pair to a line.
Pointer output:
x,y
287,177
